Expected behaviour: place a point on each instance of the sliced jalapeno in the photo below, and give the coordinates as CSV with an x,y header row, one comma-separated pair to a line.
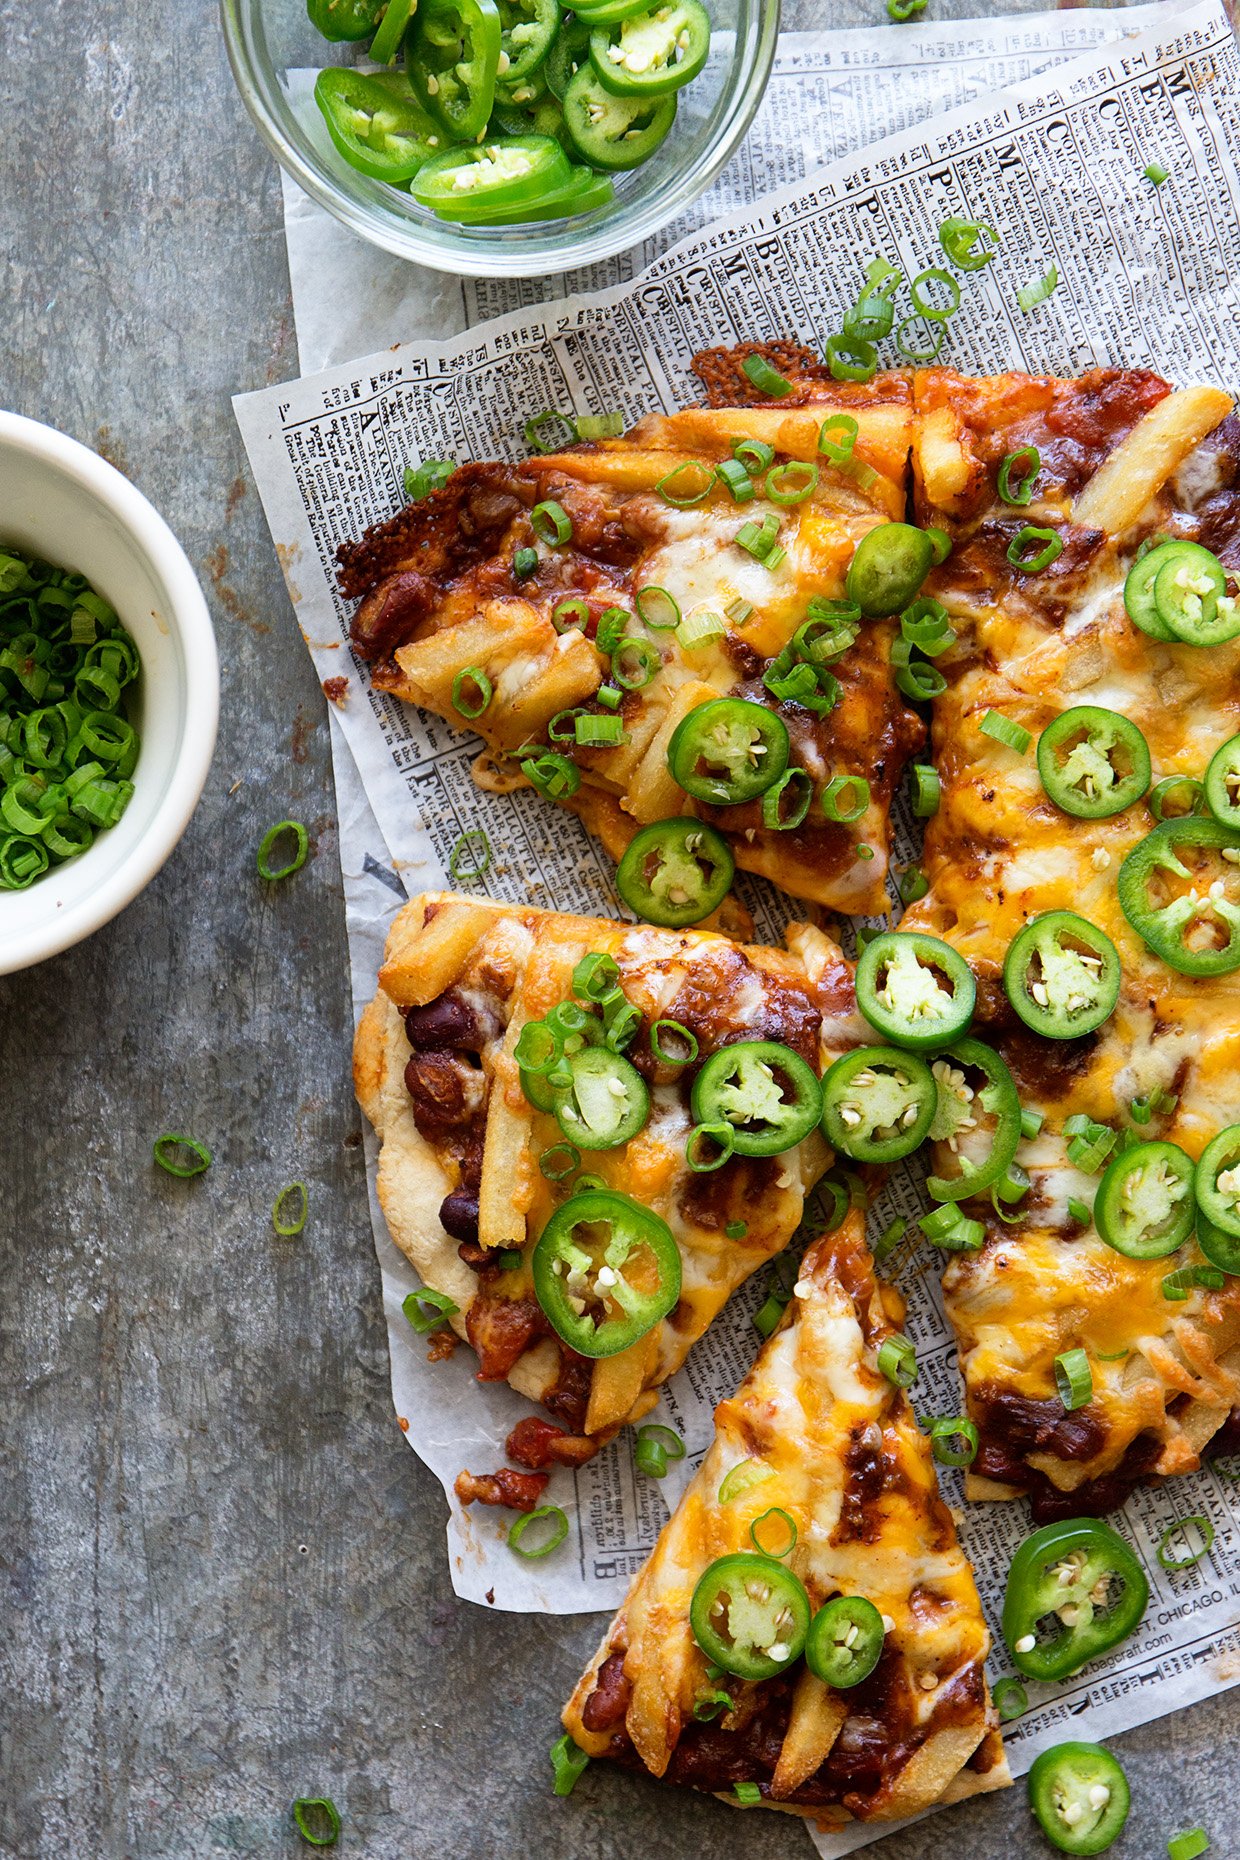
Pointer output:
x,y
1139,593
1190,595
583,192
1062,975
344,19
1217,1181
878,1104
607,1102
888,567
610,132
750,1615
1221,1249
845,1641
1093,762
728,751
1079,1794
376,122
916,990
1203,907
1222,785
1144,1206
527,32
606,1270
569,53
764,1091
1074,1591
965,1103
469,183
452,57
651,53
675,872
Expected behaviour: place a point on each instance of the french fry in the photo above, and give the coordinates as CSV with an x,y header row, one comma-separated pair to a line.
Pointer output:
x,y
1157,446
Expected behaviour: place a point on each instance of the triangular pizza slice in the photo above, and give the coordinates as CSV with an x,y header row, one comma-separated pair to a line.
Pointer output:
x,y
807,1632
592,1133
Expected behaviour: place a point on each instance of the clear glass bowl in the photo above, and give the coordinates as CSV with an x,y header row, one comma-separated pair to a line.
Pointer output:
x,y
272,47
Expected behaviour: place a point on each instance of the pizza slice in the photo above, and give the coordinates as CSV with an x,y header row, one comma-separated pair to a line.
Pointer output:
x,y
592,1133
653,629
807,1632
1096,1346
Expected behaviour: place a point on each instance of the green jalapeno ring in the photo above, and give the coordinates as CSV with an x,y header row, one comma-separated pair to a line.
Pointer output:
x,y
1162,927
452,59
1105,764
1222,783
376,122
565,1257
743,1085
1217,1181
878,1089
1061,1566
888,568
1079,1794
1221,1249
899,994
1144,1207
998,1097
746,741
845,1641
738,1602
675,872
1190,595
1055,988
1139,594
608,1102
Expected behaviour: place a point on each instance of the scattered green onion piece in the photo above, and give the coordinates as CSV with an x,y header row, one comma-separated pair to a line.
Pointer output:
x,y
1091,1143
1031,1122
427,1310
665,1438
685,503
559,1162
926,625
862,851
508,1258
721,1134
767,1317
1155,172
1018,556
632,676
430,475
662,602
1010,1698
1004,730
765,378
871,317
474,706
1203,1528
586,1183
749,1792
934,342
1080,1211
1140,1111
286,1228
839,451
685,1058
1178,1284
599,732
846,798
299,857
1021,492
916,678
791,483
849,357
650,1459
950,1228
738,611
571,615
940,542
912,884
840,1205
1074,1379
794,791
897,1360
948,1427
754,454
736,1230
524,562
1164,1102
470,858
568,1760
609,634
601,425
171,1141
551,523
959,239
1029,296
734,477
710,1704
925,306
565,437
559,1531
317,1819
1185,787
889,1239
563,726
700,628
927,791
788,1539
758,539
1189,1845
596,976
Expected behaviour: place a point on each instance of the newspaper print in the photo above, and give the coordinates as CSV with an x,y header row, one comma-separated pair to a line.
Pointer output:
x,y
1147,276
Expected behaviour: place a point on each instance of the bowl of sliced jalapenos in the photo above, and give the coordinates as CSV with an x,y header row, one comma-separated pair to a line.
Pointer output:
x,y
502,137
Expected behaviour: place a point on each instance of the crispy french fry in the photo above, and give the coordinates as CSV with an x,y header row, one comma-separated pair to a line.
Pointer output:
x,y
534,671
814,1723
423,957
1157,446
652,794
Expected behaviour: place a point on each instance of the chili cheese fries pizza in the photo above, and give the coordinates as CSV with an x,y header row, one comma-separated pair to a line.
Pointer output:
x,y
652,631
807,1634
592,1133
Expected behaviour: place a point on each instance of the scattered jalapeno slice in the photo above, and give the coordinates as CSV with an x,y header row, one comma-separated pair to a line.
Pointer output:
x,y
1139,593
1217,1181
615,1259
764,1091
878,1103
614,133
845,1641
527,33
900,992
469,183
1079,1794
452,57
344,19
569,53
607,1102
750,1615
376,122
675,872
1062,975
1165,927
888,567
1144,1207
1221,1249
1222,784
728,751
1075,1590
1093,762
1190,594
650,53
583,192
957,1116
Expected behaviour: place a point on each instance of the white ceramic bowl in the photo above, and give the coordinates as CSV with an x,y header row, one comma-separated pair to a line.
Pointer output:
x,y
61,501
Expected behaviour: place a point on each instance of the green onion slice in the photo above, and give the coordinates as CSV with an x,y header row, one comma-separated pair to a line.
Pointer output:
x,y
945,1428
931,344
656,608
1026,463
758,539
927,791
791,483
736,1230
749,1791
940,542
471,704
695,497
925,305
524,562
551,523
568,1760
754,454
766,379
1031,1122
734,478
650,1458
1074,1379
700,628
786,803
165,1148
846,798
282,1224
1189,1845
1179,1283
889,1240
839,451
1029,296
430,475
559,1161
427,1310
1204,1530
1020,545
634,664
1155,172
1080,1211
302,838
782,1529
688,1052
851,357
699,1159
897,1360
470,857
1010,1698
1005,730
664,1437
318,1820
599,732
912,884
564,437
556,1533
959,239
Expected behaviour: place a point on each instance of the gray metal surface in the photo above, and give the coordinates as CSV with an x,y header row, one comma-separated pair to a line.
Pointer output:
x,y
222,1569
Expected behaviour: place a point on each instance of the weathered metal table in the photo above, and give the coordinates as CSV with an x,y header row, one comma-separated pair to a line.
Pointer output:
x,y
224,1573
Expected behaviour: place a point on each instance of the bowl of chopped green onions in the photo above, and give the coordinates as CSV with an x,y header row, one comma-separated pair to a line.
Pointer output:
x,y
109,692
502,137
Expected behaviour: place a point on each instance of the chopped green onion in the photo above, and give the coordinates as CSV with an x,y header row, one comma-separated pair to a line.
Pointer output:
x,y
787,1538
754,454
1020,544
916,678
294,1226
925,624
1074,1379
1029,296
889,1239
852,358
558,1531
685,1057
758,539
665,614
738,611
470,858
863,851
700,628
871,317
599,732
610,631
932,345
948,1427
317,1819
468,705
925,306
634,664
600,425
1010,1698
1155,172
430,475
733,476
927,791
897,1360
666,1439
786,803
1031,1122
902,10
427,1310
839,451
959,239
686,465
1163,1102
749,1792
586,1183
709,1704
1204,1530
649,1458
568,1760
1021,492
941,543
508,1258
595,976
295,864
565,437
1184,788
1080,1211
791,483
165,1147
912,884
736,1230
767,1317
1140,1111
559,1162
551,523
721,1135
1004,730
524,562
571,615
846,798
1178,1284
765,378
1091,1143
950,1228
